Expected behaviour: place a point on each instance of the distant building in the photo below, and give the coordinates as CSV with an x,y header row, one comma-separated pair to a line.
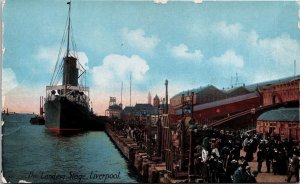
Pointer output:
x,y
283,121
139,110
280,91
156,101
113,110
211,104
149,98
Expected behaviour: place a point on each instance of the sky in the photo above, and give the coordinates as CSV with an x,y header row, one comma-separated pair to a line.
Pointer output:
x,y
189,44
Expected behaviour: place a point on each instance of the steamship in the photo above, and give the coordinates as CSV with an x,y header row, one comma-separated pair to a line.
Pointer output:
x,y
67,103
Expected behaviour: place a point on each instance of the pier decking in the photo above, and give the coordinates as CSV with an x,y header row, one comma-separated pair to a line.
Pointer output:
x,y
151,171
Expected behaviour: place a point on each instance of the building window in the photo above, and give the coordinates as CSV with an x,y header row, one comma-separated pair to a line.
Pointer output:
x,y
271,130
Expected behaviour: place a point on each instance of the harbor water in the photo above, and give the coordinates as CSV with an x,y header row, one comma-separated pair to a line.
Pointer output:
x,y
33,154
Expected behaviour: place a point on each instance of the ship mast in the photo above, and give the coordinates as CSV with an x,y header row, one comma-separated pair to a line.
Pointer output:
x,y
69,22
68,43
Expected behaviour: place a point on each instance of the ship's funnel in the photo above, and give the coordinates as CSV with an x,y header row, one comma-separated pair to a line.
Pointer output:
x,y
70,75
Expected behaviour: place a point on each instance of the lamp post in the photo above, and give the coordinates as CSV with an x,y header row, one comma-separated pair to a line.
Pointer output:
x,y
192,104
166,84
252,117
182,104
148,141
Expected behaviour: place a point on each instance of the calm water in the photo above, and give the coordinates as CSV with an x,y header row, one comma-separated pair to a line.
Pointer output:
x,y
33,154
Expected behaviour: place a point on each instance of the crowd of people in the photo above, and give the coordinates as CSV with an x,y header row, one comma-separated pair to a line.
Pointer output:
x,y
134,129
217,156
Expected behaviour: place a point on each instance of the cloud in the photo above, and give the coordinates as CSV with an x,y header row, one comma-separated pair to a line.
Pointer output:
x,y
281,49
198,1
24,99
9,80
269,54
229,58
117,68
138,40
182,52
227,30
160,1
262,76
83,59
273,57
47,55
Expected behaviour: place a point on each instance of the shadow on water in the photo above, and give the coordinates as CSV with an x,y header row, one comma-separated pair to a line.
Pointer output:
x,y
62,134
132,171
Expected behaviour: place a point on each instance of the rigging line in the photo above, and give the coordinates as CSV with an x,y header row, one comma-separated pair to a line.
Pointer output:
x,y
57,67
81,74
58,73
57,76
74,46
75,52
73,42
59,54
57,70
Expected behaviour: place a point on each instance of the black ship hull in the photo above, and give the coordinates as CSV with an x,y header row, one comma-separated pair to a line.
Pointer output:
x,y
63,115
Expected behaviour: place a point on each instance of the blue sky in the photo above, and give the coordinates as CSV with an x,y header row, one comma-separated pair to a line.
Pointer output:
x,y
189,44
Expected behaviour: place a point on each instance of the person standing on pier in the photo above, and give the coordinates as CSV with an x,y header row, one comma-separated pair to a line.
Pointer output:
x,y
294,167
241,175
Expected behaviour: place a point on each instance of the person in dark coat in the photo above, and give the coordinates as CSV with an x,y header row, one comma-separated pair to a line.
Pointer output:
x,y
294,167
249,148
279,164
250,177
241,175
260,155
269,158
232,166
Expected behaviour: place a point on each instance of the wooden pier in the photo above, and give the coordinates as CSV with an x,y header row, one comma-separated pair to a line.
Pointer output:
x,y
151,171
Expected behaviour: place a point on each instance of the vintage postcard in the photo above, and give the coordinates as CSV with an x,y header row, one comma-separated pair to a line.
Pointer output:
x,y
99,91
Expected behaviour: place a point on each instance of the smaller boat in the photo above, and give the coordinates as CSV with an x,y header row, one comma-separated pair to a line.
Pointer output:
x,y
37,120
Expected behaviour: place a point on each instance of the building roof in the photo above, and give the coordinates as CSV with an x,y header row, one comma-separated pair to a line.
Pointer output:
x,y
236,89
115,107
141,109
282,114
253,87
222,102
249,88
226,101
198,90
